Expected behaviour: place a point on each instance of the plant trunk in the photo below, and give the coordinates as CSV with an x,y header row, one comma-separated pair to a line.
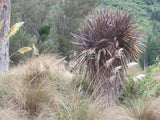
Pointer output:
x,y
110,82
5,12
109,89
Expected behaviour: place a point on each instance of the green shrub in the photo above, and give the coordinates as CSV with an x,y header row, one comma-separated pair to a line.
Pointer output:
x,y
156,15
148,86
149,2
45,30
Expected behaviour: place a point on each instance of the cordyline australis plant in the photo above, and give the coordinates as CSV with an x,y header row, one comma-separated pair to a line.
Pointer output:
x,y
108,42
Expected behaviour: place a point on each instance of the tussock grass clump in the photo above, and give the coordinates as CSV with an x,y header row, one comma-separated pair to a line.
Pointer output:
x,y
142,109
146,109
35,84
9,114
42,89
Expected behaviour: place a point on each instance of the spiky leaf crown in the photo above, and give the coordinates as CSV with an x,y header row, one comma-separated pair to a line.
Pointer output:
x,y
103,35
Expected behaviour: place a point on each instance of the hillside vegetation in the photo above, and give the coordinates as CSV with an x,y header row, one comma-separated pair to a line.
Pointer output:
x,y
141,9
147,16
69,62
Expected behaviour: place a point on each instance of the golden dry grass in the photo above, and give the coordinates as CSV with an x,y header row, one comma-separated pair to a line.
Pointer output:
x,y
134,69
35,84
146,109
41,89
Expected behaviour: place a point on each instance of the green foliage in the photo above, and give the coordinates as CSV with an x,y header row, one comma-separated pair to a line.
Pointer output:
x,y
58,17
152,51
138,8
152,46
44,30
146,87
72,13
156,14
47,47
149,2
36,15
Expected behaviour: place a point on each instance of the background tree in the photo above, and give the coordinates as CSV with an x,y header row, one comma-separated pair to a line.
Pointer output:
x,y
68,20
5,13
152,46
35,14
63,17
156,14
48,24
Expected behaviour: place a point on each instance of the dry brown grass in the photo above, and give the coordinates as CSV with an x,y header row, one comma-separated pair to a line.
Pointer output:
x,y
9,114
134,70
142,109
41,89
35,84
146,109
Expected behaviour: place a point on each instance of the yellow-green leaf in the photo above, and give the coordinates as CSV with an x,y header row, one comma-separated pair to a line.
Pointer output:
x,y
1,23
14,29
24,50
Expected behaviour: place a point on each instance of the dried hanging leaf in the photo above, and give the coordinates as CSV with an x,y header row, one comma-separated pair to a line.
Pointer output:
x,y
14,29
1,23
24,50
35,50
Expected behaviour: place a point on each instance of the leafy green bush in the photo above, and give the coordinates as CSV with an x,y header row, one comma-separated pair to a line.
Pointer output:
x,y
149,2
148,86
156,15
44,32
